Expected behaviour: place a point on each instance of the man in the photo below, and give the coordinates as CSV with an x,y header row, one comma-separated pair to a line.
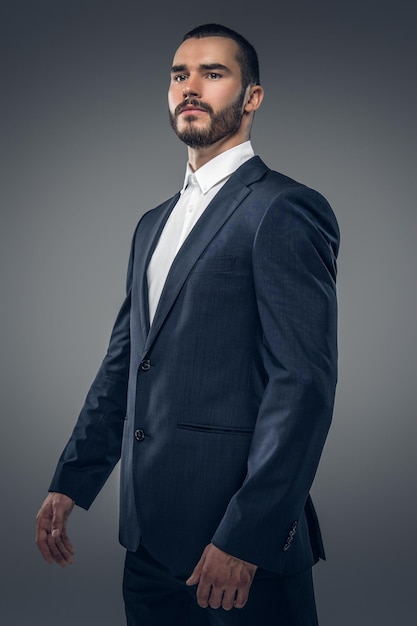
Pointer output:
x,y
217,389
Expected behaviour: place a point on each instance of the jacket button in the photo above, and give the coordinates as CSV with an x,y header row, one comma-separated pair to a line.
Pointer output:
x,y
139,434
145,365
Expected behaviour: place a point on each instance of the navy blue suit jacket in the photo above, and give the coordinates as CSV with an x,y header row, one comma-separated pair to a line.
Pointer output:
x,y
220,410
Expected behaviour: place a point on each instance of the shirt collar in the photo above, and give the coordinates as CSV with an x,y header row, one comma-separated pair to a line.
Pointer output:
x,y
219,168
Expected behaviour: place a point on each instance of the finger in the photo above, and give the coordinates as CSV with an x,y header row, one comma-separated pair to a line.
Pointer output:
x,y
195,576
63,548
43,524
67,543
216,597
61,538
41,542
203,594
58,520
229,598
241,597
60,547
64,545
59,553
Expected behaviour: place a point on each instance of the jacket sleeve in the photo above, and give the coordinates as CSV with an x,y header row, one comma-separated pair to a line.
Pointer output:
x,y
95,445
294,266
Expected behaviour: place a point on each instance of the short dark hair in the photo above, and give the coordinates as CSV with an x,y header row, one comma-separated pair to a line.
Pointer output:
x,y
246,57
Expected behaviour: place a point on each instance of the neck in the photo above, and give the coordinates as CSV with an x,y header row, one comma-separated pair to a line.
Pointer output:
x,y
197,157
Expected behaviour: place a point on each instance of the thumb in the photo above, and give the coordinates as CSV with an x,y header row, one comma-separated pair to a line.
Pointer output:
x,y
195,576
57,523
59,510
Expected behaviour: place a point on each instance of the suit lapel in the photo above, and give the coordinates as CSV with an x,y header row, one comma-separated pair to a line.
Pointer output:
x,y
217,213
148,242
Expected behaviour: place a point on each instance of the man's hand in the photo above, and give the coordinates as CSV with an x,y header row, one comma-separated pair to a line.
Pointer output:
x,y
51,534
223,580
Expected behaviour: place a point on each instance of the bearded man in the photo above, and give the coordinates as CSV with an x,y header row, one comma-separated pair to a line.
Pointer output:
x,y
218,385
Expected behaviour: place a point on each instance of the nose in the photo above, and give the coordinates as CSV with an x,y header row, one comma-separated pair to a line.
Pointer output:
x,y
191,89
189,93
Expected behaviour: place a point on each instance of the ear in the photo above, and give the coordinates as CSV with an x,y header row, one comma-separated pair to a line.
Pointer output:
x,y
254,98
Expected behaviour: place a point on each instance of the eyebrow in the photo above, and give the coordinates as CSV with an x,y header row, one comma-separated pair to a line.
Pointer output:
x,y
203,66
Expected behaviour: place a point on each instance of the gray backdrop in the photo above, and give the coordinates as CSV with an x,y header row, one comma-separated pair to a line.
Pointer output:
x,y
86,149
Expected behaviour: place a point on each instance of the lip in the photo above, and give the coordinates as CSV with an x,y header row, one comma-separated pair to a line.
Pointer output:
x,y
192,109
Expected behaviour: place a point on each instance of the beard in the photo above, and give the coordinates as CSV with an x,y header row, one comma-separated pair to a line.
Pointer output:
x,y
222,124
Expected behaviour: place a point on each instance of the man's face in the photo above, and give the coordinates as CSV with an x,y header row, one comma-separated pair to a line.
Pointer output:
x,y
205,95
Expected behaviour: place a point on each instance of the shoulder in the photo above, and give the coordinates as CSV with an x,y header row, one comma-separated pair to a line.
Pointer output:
x,y
154,216
285,201
294,212
261,179
156,212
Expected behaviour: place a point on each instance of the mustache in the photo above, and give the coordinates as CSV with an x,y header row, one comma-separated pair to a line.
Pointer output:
x,y
195,103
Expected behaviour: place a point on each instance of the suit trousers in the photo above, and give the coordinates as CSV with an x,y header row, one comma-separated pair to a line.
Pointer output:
x,y
155,597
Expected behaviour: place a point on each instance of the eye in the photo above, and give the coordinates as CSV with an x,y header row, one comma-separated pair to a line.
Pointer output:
x,y
214,75
179,78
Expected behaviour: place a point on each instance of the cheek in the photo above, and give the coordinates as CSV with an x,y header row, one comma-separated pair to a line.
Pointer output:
x,y
171,105
219,98
174,97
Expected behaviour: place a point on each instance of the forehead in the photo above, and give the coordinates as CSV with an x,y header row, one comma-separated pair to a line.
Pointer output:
x,y
206,51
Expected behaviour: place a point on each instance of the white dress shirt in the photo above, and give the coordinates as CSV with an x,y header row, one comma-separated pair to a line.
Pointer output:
x,y
198,191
